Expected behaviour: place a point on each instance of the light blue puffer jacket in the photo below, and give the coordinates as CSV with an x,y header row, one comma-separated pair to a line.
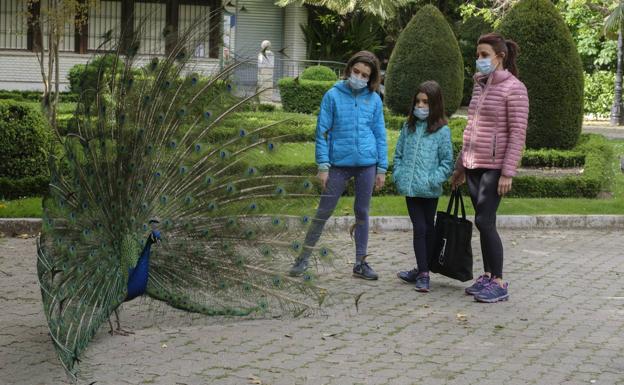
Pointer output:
x,y
350,130
422,161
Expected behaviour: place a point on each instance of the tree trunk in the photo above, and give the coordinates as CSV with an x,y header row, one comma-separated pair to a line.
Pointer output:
x,y
616,110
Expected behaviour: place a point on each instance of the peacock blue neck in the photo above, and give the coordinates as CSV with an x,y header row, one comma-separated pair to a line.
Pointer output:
x,y
138,275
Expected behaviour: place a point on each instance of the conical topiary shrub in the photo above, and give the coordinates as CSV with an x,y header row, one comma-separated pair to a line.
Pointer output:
x,y
551,68
426,50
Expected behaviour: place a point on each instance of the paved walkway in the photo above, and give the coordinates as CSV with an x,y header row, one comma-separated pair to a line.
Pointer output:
x,y
564,324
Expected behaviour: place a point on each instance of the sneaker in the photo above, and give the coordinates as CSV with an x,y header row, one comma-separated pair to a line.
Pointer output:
x,y
422,283
363,270
408,276
493,292
300,266
478,285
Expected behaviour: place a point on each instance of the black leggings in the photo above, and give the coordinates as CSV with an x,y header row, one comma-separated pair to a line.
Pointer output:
x,y
422,212
483,188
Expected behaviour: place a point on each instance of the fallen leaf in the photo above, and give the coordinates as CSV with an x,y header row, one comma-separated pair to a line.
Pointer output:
x,y
461,317
164,346
287,335
23,236
254,380
325,335
357,301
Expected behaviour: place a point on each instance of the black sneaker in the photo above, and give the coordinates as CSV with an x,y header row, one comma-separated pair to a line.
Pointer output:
x,y
408,276
363,270
300,266
422,283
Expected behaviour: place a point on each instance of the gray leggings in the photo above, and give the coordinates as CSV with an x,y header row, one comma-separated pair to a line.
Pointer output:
x,y
336,184
483,188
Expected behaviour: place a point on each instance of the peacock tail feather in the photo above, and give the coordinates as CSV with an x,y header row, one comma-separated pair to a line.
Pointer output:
x,y
139,148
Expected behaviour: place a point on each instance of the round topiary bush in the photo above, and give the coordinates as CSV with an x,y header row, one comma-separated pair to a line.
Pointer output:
x,y
318,73
24,139
551,68
425,50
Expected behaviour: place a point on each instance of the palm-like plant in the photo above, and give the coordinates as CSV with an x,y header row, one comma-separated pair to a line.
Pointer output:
x,y
382,8
614,24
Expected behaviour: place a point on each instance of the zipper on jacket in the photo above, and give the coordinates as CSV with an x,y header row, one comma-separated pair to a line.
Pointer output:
x,y
494,148
476,119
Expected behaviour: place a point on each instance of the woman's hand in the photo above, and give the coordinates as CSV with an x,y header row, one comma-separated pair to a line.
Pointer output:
x,y
504,185
458,178
379,181
323,176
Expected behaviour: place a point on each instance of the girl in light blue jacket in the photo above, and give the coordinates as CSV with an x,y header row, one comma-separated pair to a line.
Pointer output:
x,y
350,143
423,160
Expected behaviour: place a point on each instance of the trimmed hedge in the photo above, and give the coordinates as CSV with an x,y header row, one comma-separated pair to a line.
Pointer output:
x,y
551,69
425,50
24,140
319,72
303,96
35,96
23,187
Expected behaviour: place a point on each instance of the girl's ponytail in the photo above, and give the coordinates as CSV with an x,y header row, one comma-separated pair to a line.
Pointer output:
x,y
510,58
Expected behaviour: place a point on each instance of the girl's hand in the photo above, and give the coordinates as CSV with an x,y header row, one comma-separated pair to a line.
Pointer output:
x,y
504,185
379,181
323,176
458,178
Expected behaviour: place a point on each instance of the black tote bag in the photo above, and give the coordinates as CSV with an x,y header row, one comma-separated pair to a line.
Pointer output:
x,y
452,250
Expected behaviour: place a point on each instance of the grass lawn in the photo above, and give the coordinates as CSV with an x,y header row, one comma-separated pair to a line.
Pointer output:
x,y
395,205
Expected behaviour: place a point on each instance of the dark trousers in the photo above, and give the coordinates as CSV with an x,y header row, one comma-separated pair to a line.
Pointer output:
x,y
422,213
483,188
336,184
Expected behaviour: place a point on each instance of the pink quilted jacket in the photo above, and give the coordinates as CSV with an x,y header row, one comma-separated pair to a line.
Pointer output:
x,y
497,121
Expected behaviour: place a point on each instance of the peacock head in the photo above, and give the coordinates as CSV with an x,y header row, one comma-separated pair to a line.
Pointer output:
x,y
154,236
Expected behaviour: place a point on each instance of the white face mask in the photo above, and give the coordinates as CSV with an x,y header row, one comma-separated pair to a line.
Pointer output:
x,y
356,82
421,113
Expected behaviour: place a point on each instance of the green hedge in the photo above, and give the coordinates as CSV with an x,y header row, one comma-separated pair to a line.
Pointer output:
x,y
35,96
425,50
302,96
24,140
23,187
320,73
551,69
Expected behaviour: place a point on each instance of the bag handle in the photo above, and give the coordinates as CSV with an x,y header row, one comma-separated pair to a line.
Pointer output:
x,y
455,202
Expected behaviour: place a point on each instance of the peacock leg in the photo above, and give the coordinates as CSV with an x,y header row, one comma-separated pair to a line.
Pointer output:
x,y
118,330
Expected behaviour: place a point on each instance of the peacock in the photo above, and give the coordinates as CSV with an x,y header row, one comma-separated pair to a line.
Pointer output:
x,y
150,194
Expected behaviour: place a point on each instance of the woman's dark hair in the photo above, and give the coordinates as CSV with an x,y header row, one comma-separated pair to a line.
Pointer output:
x,y
509,47
436,117
370,60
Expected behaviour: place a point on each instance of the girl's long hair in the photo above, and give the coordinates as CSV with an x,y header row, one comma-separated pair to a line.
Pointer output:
x,y
370,60
436,117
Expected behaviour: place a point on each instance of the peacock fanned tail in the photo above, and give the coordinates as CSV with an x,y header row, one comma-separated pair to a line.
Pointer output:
x,y
140,147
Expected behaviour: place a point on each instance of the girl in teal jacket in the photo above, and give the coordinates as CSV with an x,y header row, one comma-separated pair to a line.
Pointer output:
x,y
423,160
350,143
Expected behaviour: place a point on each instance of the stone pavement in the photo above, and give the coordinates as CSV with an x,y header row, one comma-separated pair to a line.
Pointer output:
x,y
564,324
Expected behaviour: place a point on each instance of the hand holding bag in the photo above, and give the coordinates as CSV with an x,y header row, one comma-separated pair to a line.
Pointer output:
x,y
452,251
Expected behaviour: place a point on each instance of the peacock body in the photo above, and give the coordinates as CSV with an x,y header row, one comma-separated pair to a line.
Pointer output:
x,y
144,200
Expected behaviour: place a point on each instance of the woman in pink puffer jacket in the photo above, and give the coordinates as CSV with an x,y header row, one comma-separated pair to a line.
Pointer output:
x,y
493,143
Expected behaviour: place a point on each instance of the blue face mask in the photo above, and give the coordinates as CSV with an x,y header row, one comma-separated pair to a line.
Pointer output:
x,y
421,113
485,66
357,83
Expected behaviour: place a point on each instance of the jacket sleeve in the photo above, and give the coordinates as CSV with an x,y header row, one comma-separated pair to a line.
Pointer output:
x,y
445,155
517,118
398,152
324,123
379,130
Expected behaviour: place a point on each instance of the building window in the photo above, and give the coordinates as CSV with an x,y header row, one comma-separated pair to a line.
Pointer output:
x,y
68,34
201,36
150,20
104,18
13,24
